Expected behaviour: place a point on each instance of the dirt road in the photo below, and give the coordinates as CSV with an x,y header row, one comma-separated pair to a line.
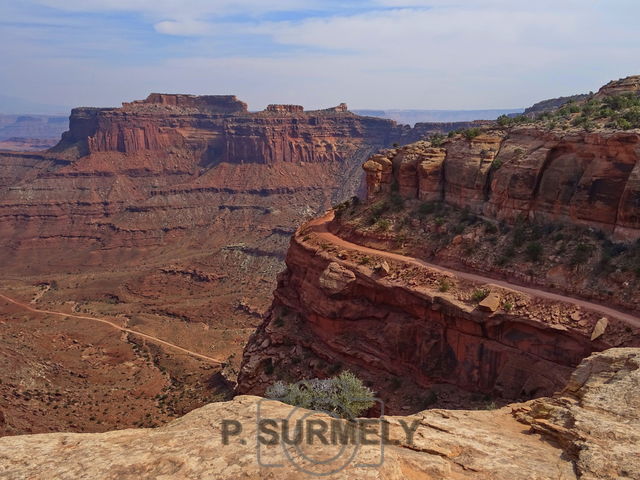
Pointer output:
x,y
320,226
112,325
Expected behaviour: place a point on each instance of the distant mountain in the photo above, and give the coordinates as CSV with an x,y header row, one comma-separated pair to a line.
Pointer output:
x,y
32,126
553,103
412,117
20,106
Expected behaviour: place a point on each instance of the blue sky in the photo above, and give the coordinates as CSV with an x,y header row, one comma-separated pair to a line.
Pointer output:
x,y
431,54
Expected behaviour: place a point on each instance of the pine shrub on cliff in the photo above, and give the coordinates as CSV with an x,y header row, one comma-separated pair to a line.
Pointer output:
x,y
344,395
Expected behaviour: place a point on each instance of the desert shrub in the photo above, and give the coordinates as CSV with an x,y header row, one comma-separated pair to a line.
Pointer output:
x,y
519,235
507,306
534,251
268,366
396,382
581,254
458,229
344,395
504,121
379,208
396,202
365,260
479,294
383,225
471,133
490,228
621,102
633,116
429,399
444,285
427,208
437,139
496,164
340,208
395,186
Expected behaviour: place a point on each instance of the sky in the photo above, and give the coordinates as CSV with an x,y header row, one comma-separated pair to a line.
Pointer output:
x,y
382,54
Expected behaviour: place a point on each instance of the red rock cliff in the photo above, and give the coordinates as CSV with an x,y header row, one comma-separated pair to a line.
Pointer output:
x,y
337,309
584,178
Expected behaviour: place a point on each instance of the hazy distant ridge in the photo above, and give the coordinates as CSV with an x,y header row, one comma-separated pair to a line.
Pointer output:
x,y
411,117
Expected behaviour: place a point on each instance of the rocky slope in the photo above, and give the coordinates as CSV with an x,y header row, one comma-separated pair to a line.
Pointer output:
x,y
418,335
588,431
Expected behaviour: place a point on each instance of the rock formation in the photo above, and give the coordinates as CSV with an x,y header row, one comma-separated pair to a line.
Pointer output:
x,y
590,179
334,309
588,431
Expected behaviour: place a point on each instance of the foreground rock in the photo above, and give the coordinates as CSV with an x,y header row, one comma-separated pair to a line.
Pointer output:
x,y
590,431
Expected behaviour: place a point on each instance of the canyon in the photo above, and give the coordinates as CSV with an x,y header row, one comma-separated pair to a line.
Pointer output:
x,y
169,216
481,278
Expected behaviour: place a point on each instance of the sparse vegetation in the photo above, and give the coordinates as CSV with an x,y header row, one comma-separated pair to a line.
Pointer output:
x,y
471,133
383,225
344,395
365,260
444,285
437,140
534,251
479,294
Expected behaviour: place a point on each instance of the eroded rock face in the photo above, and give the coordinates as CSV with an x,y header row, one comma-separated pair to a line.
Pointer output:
x,y
589,431
596,418
164,167
331,314
590,179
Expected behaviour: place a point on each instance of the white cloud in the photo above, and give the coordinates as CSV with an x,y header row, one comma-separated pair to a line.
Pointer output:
x,y
421,54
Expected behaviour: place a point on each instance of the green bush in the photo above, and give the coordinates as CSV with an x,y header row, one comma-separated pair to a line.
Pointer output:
x,y
479,294
344,395
504,121
437,140
471,133
444,285
396,202
428,208
581,254
383,225
365,260
534,251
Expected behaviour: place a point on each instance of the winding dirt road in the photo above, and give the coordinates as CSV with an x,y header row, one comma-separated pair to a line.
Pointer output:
x,y
321,227
115,326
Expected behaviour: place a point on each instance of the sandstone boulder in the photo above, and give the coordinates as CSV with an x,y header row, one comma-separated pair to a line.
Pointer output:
x,y
600,328
491,303
336,279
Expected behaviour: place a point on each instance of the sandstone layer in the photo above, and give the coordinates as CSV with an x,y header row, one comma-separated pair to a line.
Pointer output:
x,y
588,431
590,179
